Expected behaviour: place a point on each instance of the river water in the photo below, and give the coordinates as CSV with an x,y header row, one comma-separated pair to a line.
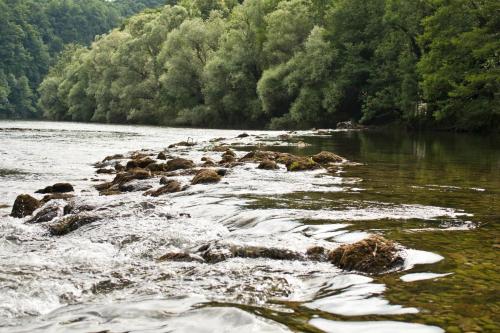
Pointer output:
x,y
438,195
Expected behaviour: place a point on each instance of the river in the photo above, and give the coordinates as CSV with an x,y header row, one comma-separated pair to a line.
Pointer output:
x,y
437,194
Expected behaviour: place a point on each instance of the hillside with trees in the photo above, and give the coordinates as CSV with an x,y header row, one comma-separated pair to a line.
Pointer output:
x,y
34,32
280,64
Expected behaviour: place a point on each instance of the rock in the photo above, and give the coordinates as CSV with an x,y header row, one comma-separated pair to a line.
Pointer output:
x,y
119,167
179,163
157,167
73,208
226,159
113,157
164,181
47,213
316,253
217,252
182,144
208,162
134,186
139,163
24,205
105,171
302,164
220,148
206,176
371,255
57,188
138,155
171,187
131,174
229,152
161,156
243,135
349,125
284,137
326,157
56,196
260,155
222,172
70,223
180,256
268,165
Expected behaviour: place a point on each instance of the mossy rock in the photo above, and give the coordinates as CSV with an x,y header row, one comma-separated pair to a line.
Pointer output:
x,y
302,164
371,255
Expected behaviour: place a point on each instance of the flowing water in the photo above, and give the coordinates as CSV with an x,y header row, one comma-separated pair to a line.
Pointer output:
x,y
438,195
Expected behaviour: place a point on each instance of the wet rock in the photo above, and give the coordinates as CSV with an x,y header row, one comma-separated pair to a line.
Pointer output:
x,y
70,223
180,256
56,196
24,205
229,152
157,167
179,163
268,165
105,171
182,144
171,187
47,213
207,162
57,188
134,186
302,164
206,176
220,148
131,174
164,181
139,163
317,253
243,135
221,172
217,252
161,156
371,255
74,208
119,167
349,125
227,159
326,157
138,155
259,156
284,137
113,157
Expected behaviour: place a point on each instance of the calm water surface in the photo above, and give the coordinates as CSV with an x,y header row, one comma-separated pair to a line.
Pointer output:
x,y
436,194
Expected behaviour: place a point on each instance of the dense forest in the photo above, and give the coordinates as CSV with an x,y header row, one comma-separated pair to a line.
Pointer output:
x,y
261,63
34,32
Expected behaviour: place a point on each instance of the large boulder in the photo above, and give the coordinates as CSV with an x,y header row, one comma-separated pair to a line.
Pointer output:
x,y
24,205
179,163
171,187
206,176
371,255
57,188
326,157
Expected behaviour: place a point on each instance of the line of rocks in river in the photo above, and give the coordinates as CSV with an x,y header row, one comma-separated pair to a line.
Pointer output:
x,y
372,255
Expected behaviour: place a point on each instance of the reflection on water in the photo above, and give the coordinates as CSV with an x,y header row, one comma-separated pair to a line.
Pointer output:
x,y
437,195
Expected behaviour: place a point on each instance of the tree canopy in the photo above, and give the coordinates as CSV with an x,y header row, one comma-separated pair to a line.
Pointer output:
x,y
270,63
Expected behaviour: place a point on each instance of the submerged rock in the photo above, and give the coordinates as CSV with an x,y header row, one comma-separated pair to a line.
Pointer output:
x,y
217,252
57,188
179,163
180,256
326,157
24,205
105,171
371,255
206,176
70,223
268,165
170,187
182,144
134,186
113,157
243,135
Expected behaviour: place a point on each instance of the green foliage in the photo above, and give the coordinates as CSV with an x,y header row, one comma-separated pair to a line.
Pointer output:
x,y
283,64
34,32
